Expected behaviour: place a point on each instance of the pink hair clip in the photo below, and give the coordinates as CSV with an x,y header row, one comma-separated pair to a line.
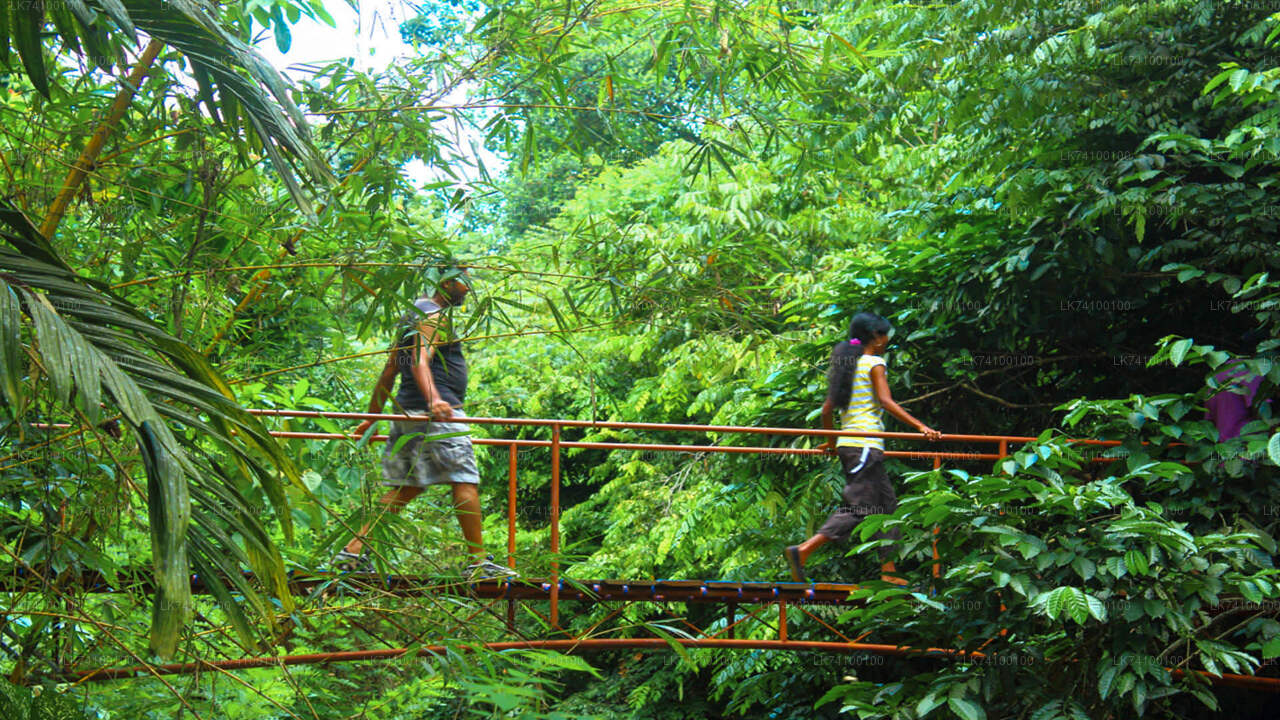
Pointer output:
x,y
855,341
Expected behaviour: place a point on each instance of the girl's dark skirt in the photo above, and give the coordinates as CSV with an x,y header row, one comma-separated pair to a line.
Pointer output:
x,y
867,491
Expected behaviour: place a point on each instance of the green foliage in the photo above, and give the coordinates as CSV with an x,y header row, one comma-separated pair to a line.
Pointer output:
x,y
1061,206
219,60
83,338
1049,568
39,703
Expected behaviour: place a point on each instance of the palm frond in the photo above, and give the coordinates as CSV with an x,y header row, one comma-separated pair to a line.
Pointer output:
x,y
96,350
189,26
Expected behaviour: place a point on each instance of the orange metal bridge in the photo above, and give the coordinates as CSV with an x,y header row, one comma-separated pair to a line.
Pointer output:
x,y
785,602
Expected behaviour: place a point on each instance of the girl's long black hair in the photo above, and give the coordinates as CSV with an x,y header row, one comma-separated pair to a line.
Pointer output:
x,y
845,355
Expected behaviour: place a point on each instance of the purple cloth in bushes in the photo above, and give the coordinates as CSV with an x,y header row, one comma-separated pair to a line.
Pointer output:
x,y
1229,407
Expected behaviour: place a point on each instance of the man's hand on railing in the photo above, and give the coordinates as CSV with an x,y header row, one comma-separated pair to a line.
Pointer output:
x,y
441,411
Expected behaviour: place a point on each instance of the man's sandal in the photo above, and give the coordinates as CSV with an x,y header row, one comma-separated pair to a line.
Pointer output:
x,y
487,569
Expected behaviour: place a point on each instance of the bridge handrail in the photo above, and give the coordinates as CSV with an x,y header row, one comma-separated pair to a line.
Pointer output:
x,y
612,424
556,443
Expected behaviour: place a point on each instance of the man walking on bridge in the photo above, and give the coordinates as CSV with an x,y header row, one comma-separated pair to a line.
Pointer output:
x,y
428,359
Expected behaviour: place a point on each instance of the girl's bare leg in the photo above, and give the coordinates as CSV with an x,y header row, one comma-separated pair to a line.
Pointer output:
x,y
807,547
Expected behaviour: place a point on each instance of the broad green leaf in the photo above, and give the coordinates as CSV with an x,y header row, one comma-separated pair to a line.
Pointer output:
x,y
1096,607
1106,676
928,704
280,28
1220,78
1048,711
1076,605
1084,567
1271,648
966,708
1136,562
1178,351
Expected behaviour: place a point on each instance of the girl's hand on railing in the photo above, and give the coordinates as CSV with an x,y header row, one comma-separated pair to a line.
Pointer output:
x,y
930,434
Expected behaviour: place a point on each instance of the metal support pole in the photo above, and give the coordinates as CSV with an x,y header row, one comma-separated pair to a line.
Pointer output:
x,y
511,529
555,526
733,617
937,564
782,620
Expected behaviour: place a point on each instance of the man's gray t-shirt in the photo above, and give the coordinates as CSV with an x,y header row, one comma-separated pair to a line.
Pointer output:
x,y
448,366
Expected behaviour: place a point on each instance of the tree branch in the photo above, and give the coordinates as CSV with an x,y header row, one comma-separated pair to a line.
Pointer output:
x,y
1002,401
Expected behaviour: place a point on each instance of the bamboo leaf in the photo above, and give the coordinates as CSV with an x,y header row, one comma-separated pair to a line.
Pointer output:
x,y
88,378
241,72
555,312
101,53
204,85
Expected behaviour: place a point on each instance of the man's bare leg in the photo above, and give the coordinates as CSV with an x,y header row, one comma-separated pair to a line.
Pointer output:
x,y
466,500
394,501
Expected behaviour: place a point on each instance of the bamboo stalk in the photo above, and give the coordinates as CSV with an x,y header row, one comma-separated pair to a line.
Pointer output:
x,y
351,265
260,278
80,170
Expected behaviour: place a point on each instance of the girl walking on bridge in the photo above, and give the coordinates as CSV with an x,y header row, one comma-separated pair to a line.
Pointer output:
x,y
858,386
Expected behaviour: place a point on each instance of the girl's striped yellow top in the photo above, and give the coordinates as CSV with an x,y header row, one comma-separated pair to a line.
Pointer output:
x,y
864,413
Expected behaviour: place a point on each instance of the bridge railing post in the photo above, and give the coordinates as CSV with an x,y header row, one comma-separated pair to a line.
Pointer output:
x,y
937,561
511,528
555,525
